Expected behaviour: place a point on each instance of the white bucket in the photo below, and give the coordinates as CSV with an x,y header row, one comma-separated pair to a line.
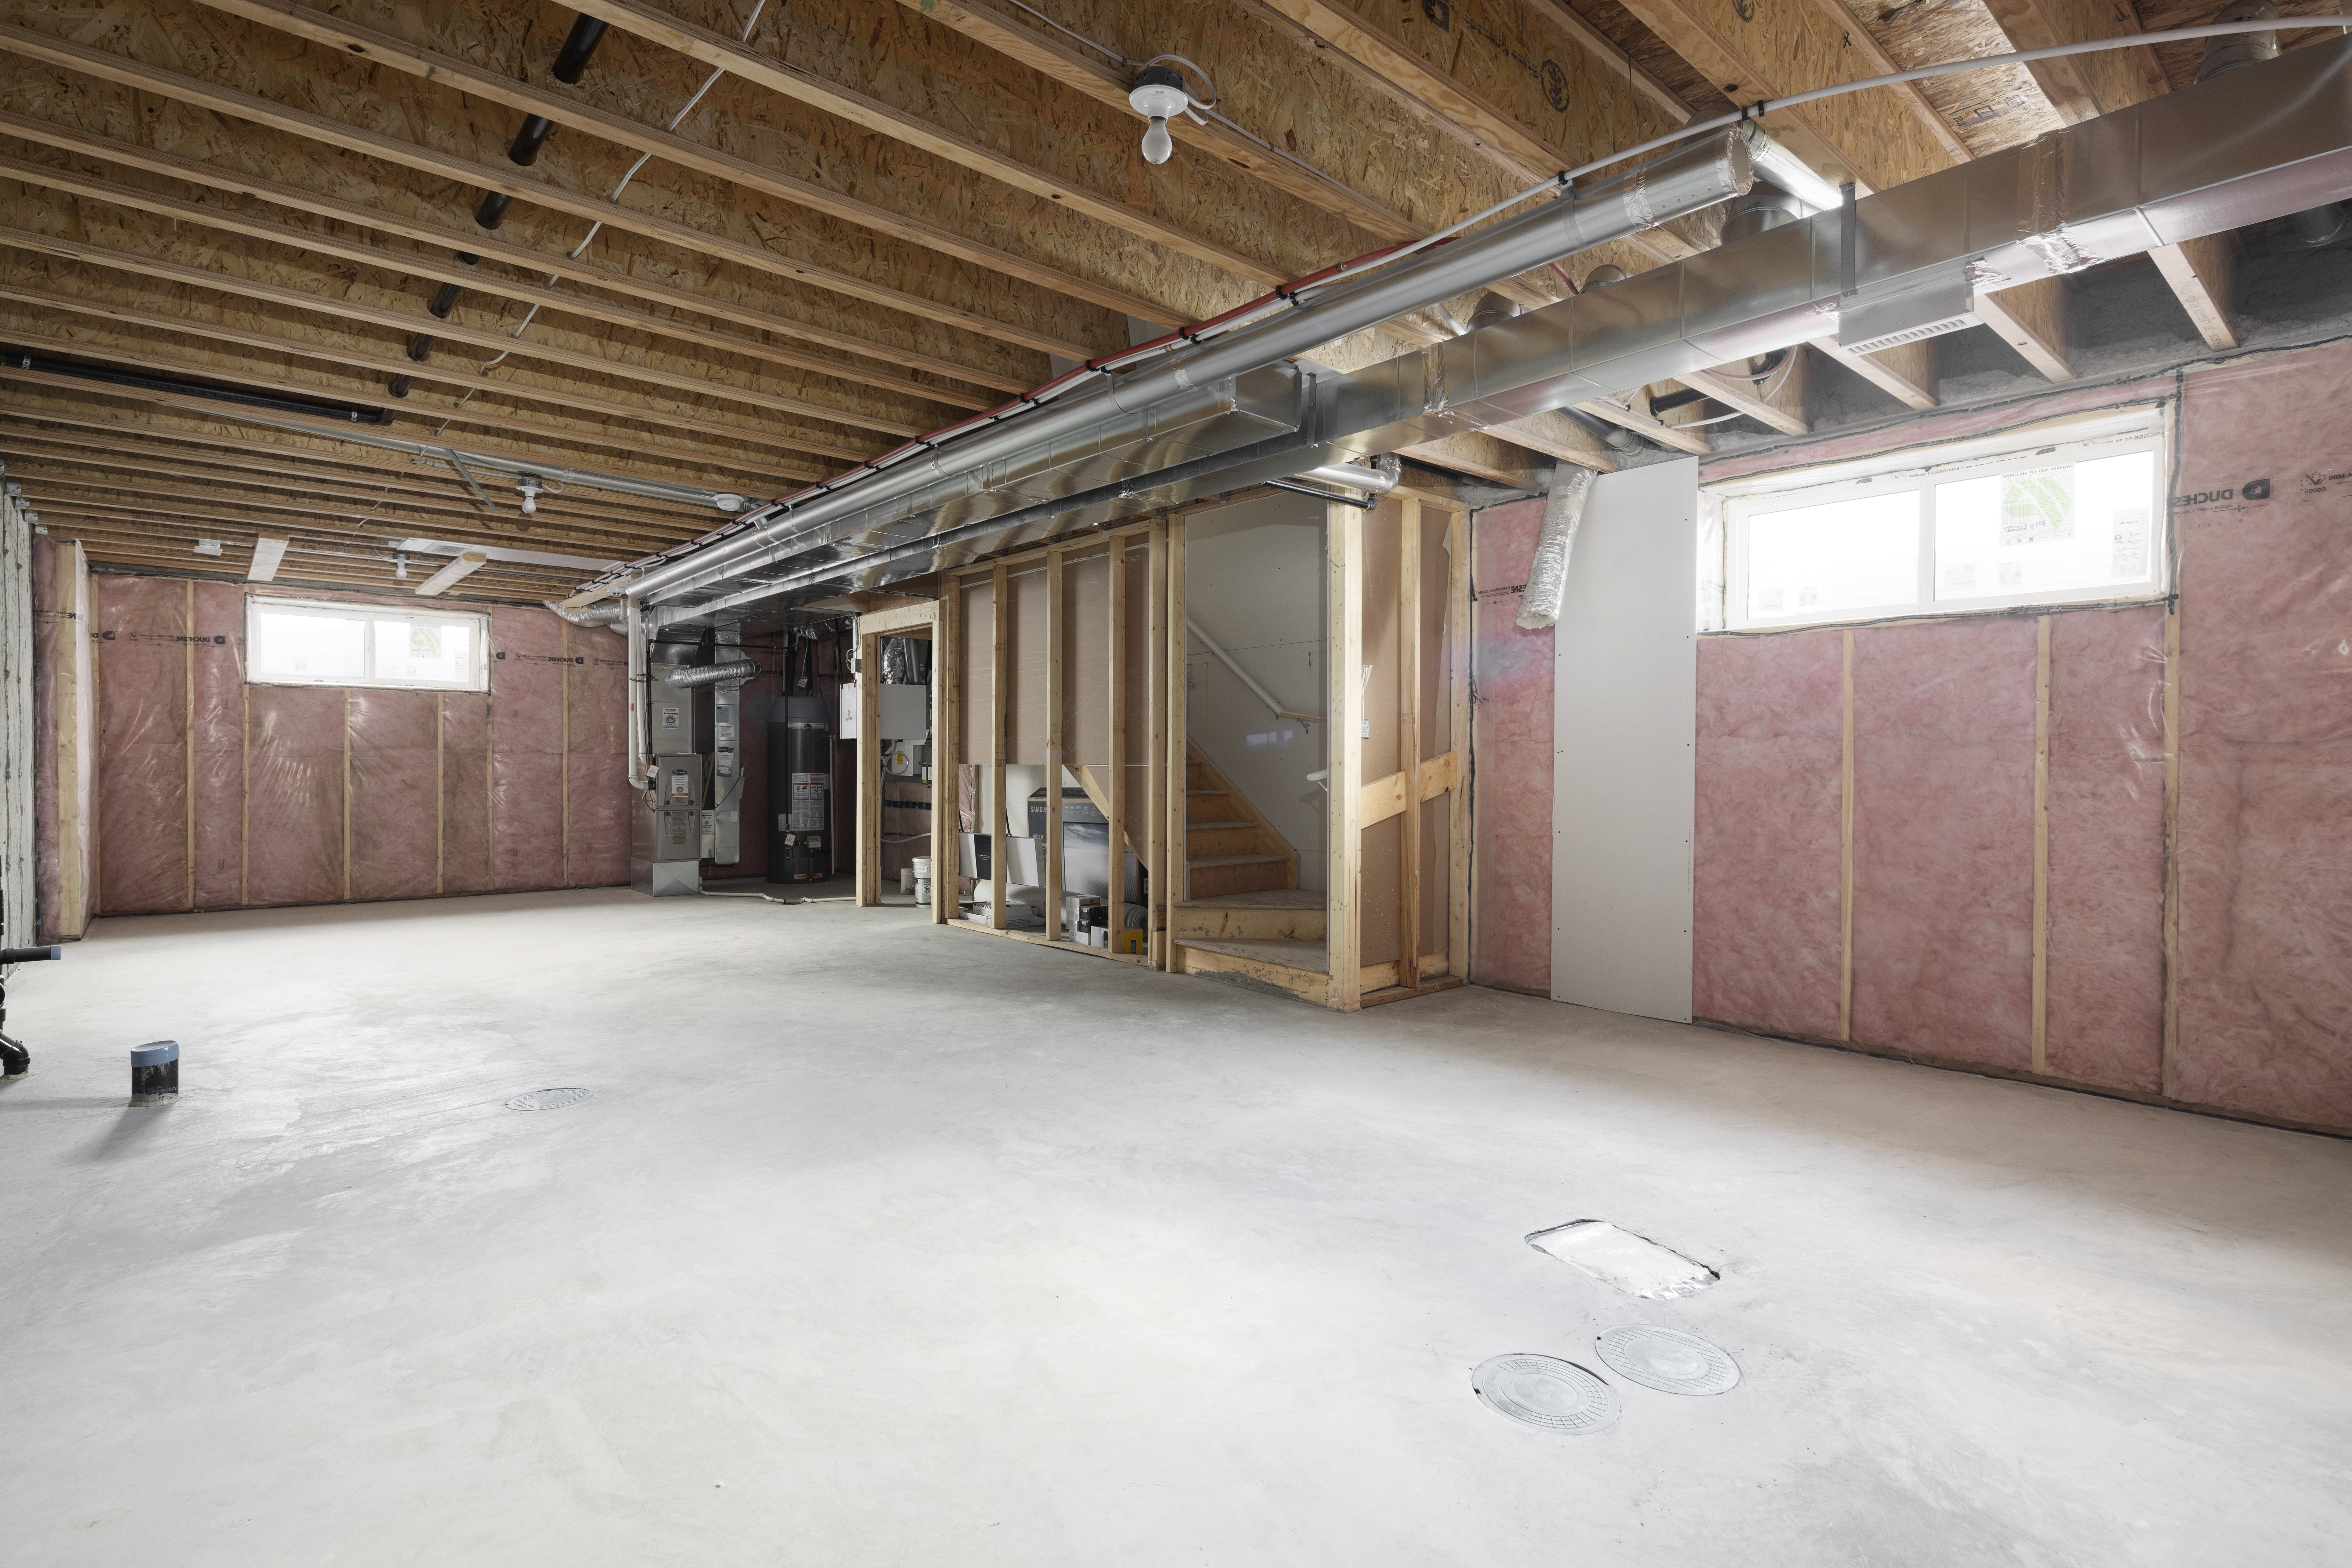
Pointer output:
x,y
922,870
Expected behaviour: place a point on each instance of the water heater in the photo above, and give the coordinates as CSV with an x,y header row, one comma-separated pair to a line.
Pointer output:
x,y
800,791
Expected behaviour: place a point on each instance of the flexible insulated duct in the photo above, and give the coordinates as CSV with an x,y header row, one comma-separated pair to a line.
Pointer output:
x,y
1547,572
714,674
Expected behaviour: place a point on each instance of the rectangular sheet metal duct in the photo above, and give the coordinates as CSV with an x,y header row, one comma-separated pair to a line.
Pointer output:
x,y
2243,147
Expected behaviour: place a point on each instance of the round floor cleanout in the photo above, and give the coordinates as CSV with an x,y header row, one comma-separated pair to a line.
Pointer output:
x,y
1547,1392
548,1099
1668,1360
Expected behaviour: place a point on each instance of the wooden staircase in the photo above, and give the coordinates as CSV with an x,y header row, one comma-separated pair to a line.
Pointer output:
x,y
1246,914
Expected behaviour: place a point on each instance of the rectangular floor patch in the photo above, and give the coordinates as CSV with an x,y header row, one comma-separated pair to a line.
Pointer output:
x,y
1633,1264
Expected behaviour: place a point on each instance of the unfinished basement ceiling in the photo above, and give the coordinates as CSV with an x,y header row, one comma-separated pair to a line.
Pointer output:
x,y
878,219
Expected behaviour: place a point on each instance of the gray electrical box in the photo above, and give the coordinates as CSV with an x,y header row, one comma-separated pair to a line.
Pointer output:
x,y
906,726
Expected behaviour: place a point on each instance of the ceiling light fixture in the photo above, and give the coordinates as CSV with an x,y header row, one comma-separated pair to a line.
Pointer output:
x,y
1159,95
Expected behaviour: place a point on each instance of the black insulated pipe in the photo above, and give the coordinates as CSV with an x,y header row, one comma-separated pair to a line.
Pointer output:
x,y
571,59
399,384
420,347
493,210
444,301
342,411
529,139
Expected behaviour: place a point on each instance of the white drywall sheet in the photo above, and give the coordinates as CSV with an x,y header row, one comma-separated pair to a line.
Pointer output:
x,y
1625,722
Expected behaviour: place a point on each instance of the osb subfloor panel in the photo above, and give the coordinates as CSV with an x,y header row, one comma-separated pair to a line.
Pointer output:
x,y
880,1246
1312,956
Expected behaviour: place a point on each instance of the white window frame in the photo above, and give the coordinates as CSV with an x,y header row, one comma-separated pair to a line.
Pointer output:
x,y
479,680
2070,441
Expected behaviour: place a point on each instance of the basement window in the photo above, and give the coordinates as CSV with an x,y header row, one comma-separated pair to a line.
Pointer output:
x,y
292,643
2060,516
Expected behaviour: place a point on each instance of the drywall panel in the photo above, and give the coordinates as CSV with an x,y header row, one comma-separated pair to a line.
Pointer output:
x,y
1625,693
976,670
1767,939
2105,1008
1510,756
1255,586
1943,838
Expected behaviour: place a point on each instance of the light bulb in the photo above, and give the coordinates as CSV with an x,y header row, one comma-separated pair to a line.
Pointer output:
x,y
1156,143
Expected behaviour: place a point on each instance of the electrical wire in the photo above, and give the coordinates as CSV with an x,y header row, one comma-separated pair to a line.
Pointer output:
x,y
1298,294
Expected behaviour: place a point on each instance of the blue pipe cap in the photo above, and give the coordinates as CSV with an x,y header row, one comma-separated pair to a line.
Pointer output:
x,y
155,1053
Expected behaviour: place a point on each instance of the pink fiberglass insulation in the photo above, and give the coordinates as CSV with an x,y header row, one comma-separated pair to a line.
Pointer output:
x,y
1511,748
1766,935
527,725
395,793
219,772
465,720
2266,807
2105,1005
144,625
294,799
1943,838
596,828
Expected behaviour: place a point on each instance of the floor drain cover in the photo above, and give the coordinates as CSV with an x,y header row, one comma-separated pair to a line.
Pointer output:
x,y
548,1099
1668,1360
1544,1391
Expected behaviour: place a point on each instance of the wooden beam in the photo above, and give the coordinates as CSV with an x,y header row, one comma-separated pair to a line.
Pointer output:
x,y
431,65
1056,694
172,85
2203,273
1907,371
319,301
1482,455
996,27
2037,320
243,371
569,399
1643,423
1156,781
998,820
1457,773
1114,804
1344,593
869,768
947,755
1180,748
1558,435
411,264
1409,741
1779,402
320,428
716,50
1871,138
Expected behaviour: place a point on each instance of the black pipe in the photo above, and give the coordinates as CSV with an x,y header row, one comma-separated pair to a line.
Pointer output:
x,y
493,210
1615,436
442,303
420,348
343,411
399,384
529,139
586,33
1682,399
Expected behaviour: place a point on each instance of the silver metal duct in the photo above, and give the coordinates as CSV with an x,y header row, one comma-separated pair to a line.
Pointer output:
x,y
1378,479
593,616
1227,376
736,670
2244,147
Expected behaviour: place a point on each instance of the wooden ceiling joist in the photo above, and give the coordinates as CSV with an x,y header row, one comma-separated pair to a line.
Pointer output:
x,y
447,70
140,355
777,76
489,249
319,300
165,408
139,76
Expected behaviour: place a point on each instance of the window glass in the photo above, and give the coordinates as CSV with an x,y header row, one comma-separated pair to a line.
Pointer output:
x,y
2047,529
292,643
1816,561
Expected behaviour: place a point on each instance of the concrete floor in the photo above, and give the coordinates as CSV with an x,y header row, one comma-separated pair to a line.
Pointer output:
x,y
884,1244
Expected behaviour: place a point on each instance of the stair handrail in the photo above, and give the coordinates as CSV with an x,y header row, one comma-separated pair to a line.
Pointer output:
x,y
1263,696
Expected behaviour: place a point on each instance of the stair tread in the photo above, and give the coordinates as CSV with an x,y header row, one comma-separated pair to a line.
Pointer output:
x,y
1237,860
1290,952
1263,899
